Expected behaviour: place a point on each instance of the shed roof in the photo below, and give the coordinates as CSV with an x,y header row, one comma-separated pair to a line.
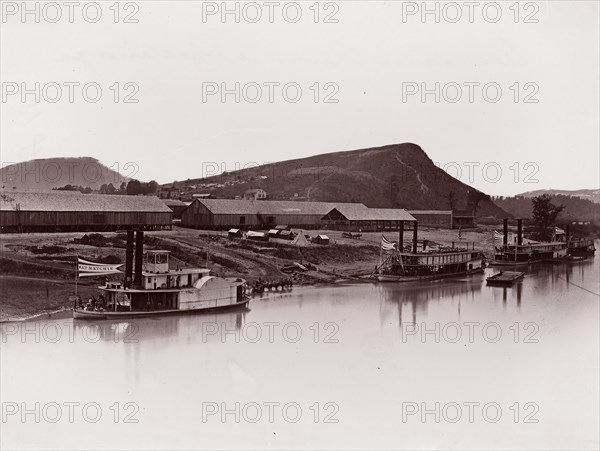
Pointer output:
x,y
430,212
271,207
76,201
353,213
174,203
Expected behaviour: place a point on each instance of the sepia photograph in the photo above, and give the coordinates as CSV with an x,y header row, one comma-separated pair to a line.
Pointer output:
x,y
300,225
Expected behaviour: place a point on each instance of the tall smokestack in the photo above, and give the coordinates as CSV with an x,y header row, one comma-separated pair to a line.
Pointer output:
x,y
519,231
568,234
415,233
401,237
129,259
505,231
139,258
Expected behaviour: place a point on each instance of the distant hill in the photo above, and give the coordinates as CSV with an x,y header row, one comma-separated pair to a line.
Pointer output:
x,y
48,173
589,194
576,209
400,175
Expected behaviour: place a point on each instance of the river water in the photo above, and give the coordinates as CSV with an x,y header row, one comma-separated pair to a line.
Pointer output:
x,y
447,364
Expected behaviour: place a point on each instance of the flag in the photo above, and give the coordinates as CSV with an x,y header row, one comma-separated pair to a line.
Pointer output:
x,y
558,231
90,269
388,245
498,235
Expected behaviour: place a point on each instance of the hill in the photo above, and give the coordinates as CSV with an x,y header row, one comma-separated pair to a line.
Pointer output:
x,y
48,173
588,194
400,175
576,209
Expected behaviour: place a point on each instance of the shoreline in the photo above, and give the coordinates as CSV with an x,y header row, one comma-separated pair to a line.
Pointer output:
x,y
37,270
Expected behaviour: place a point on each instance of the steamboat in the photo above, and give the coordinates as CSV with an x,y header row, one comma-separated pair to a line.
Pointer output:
x,y
581,247
157,289
403,264
520,254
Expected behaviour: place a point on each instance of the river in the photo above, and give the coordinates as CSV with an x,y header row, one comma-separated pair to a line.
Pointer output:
x,y
449,364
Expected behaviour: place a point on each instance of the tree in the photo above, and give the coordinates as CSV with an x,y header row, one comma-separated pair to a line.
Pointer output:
x,y
543,216
134,187
473,200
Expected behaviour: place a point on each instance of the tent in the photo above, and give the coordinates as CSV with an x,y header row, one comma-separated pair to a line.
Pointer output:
x,y
300,240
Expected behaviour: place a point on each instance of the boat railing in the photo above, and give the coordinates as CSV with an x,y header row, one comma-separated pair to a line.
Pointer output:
x,y
530,248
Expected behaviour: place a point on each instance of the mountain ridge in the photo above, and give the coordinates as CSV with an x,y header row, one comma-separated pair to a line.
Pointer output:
x,y
43,174
390,176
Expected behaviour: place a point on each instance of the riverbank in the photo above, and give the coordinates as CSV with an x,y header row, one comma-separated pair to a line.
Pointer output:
x,y
37,271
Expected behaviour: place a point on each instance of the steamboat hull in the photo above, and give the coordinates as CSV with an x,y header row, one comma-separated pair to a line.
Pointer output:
x,y
93,315
399,278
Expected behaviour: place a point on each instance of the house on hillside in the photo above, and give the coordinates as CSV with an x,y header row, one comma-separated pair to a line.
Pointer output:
x,y
72,211
255,194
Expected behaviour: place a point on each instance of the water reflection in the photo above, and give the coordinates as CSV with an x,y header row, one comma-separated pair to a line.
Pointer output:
x,y
416,297
158,329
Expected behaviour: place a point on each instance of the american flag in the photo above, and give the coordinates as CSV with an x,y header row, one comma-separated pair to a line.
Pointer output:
x,y
497,235
388,245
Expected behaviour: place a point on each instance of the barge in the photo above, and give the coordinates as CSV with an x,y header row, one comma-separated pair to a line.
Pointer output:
x,y
505,278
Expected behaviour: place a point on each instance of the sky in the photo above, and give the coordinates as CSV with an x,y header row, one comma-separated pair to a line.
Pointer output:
x,y
503,96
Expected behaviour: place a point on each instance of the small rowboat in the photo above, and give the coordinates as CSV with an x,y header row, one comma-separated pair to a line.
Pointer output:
x,y
505,278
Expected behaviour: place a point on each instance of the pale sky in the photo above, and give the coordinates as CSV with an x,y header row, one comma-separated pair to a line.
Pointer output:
x,y
373,58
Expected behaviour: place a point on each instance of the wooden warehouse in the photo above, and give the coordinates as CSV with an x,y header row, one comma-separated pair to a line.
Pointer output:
x,y
433,218
350,217
247,214
68,211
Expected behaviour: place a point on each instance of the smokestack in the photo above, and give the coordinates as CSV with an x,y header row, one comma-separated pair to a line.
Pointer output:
x,y
129,259
505,238
415,232
139,258
568,234
424,245
519,231
401,237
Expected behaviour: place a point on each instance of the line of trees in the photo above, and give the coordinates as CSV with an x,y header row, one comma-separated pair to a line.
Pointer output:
x,y
132,188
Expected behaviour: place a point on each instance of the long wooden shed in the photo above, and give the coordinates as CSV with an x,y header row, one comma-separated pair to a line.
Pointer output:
x,y
67,211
